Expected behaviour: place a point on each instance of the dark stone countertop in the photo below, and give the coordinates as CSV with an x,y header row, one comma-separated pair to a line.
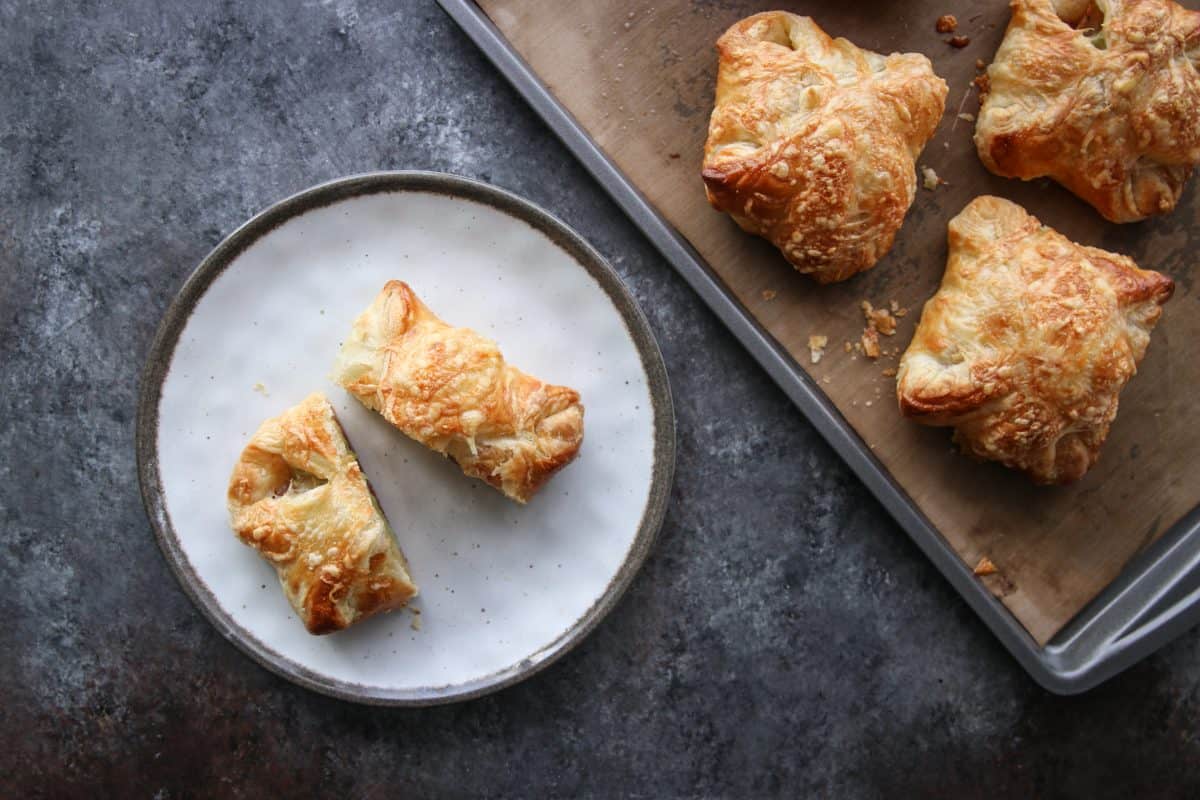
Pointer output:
x,y
785,637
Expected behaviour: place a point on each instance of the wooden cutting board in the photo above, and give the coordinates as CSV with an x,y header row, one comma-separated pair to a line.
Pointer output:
x,y
639,77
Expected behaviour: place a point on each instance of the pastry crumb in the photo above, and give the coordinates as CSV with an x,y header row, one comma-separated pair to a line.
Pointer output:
x,y
929,178
985,567
672,156
261,388
979,65
415,624
959,41
870,343
890,372
769,294
816,347
983,84
966,117
946,23
880,319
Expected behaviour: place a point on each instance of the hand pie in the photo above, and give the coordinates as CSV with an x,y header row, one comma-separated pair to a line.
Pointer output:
x,y
298,496
1101,96
1027,344
450,389
812,142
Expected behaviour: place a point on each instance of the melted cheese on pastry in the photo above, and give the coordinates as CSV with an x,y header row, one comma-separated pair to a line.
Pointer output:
x,y
1027,344
813,141
451,389
299,497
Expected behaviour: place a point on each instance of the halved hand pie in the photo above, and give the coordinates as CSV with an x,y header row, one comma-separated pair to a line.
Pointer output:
x,y
298,496
450,389
1027,344
813,141
1103,96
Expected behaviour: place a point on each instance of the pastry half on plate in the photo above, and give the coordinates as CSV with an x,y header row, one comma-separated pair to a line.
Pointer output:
x,y
1026,346
1103,96
813,141
451,389
299,497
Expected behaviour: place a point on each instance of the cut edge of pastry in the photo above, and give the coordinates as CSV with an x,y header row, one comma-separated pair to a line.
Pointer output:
x,y
264,473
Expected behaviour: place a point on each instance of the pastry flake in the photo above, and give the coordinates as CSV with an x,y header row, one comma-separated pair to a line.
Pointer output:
x,y
299,497
451,389
1026,346
1101,96
813,142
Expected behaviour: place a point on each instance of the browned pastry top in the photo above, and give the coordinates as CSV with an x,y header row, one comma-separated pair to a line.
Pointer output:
x,y
451,389
299,497
1102,96
812,142
1027,344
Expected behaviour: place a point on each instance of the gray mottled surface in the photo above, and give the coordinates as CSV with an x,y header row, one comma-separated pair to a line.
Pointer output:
x,y
784,638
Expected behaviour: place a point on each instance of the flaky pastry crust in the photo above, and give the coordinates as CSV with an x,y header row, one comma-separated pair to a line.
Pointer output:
x,y
1103,97
451,389
1027,344
299,497
812,142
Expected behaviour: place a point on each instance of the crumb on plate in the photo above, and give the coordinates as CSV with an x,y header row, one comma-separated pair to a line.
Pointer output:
x,y
261,388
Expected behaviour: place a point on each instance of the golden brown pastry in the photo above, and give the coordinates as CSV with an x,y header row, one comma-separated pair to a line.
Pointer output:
x,y
812,142
1027,344
450,389
298,496
1101,96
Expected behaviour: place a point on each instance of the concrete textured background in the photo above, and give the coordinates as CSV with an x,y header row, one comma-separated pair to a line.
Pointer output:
x,y
784,638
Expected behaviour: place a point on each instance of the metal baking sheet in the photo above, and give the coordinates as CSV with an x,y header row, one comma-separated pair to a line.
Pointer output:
x,y
1151,601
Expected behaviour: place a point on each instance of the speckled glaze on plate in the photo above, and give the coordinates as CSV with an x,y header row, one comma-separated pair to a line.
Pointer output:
x,y
505,589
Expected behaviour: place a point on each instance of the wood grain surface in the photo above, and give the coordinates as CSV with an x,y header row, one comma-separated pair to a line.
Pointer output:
x,y
639,78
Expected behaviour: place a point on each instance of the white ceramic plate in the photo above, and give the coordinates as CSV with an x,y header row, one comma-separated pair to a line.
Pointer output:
x,y
504,589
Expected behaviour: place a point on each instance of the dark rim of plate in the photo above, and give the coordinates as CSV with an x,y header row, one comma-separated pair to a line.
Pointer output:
x,y
158,365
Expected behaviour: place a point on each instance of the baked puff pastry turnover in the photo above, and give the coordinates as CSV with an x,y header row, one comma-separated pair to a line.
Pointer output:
x,y
299,497
1027,344
813,141
1102,96
451,389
